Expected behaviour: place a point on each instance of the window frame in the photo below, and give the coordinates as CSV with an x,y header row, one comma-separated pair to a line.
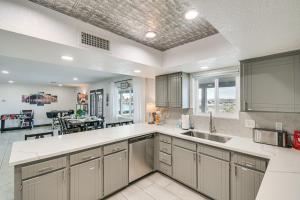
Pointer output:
x,y
216,76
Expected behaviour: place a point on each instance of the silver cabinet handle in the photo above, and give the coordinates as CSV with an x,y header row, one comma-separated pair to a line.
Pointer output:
x,y
199,158
247,164
87,157
194,156
244,169
235,170
46,169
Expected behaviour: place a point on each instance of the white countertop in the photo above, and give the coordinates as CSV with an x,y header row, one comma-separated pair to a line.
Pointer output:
x,y
282,175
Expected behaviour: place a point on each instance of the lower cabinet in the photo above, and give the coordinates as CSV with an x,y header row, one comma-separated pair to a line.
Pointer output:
x,y
245,183
52,186
213,177
184,166
115,172
86,180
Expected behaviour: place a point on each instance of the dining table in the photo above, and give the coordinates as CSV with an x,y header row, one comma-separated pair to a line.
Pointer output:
x,y
85,123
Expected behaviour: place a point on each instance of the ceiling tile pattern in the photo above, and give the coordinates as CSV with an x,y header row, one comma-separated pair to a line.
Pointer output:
x,y
133,18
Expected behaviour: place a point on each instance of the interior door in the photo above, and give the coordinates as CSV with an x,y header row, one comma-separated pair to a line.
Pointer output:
x,y
52,186
86,180
184,166
213,177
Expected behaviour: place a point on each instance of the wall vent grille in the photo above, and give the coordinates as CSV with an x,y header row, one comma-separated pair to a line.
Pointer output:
x,y
94,41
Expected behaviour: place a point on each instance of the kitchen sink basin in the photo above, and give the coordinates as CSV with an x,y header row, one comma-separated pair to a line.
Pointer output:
x,y
207,136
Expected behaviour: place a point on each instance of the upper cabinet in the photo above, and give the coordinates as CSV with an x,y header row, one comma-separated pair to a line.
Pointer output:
x,y
271,83
172,90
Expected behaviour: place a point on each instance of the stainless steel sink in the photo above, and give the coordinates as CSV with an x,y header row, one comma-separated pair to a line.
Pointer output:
x,y
216,138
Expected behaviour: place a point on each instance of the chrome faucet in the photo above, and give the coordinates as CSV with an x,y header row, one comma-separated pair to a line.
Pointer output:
x,y
212,128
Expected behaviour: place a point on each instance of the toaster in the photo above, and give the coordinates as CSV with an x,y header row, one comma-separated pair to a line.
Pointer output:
x,y
271,137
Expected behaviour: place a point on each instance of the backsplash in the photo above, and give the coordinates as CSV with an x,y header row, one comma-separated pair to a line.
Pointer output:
x,y
291,121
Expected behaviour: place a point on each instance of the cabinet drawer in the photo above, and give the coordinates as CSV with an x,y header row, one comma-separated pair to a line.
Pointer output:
x,y
166,169
214,152
164,138
166,148
112,148
85,156
185,144
43,167
165,158
250,161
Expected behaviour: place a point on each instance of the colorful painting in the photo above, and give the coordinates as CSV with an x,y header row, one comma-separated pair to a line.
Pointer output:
x,y
82,98
39,99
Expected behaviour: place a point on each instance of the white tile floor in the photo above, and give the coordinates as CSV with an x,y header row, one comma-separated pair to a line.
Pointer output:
x,y
153,187
156,187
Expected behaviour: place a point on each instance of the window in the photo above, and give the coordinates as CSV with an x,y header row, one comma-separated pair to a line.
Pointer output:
x,y
125,99
96,98
217,94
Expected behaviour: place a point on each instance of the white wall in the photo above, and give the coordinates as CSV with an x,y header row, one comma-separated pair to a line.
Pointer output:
x,y
11,94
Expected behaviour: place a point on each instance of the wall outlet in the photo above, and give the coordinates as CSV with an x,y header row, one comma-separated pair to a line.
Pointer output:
x,y
278,126
249,123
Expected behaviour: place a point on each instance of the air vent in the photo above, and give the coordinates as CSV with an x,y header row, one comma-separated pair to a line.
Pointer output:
x,y
94,41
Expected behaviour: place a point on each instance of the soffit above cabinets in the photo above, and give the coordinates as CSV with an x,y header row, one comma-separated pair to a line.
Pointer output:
x,y
133,18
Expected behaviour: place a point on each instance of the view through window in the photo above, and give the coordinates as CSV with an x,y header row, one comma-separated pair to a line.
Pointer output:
x,y
217,95
125,99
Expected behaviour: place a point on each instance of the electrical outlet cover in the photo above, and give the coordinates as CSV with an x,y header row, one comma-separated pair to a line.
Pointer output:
x,y
249,123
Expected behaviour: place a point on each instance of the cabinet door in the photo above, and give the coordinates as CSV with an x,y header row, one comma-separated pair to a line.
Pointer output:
x,y
174,90
245,183
161,91
86,180
184,166
115,172
213,177
269,85
297,83
52,186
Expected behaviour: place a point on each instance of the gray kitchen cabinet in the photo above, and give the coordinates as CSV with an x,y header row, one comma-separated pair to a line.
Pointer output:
x,y
270,83
115,172
172,90
86,180
161,91
245,183
213,177
51,186
185,166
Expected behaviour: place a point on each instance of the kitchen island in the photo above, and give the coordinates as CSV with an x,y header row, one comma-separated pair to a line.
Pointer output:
x,y
282,172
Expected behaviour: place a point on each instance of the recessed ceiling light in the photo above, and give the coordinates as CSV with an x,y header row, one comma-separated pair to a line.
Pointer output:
x,y
68,58
137,71
10,82
75,79
4,72
191,14
204,67
60,85
150,34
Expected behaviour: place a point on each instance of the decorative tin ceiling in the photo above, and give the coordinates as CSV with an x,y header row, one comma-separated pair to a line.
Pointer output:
x,y
133,18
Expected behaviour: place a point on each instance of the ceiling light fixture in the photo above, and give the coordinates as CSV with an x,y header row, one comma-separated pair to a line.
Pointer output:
x,y
60,85
75,79
4,72
204,67
137,71
68,58
10,82
150,34
191,14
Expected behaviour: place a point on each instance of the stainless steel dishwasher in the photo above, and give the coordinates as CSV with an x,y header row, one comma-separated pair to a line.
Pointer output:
x,y
141,160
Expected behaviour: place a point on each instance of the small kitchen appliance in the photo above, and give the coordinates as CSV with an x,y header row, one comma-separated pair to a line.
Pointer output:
x,y
296,141
185,122
271,137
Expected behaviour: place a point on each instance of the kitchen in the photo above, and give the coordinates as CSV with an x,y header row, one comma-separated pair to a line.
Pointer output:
x,y
200,102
